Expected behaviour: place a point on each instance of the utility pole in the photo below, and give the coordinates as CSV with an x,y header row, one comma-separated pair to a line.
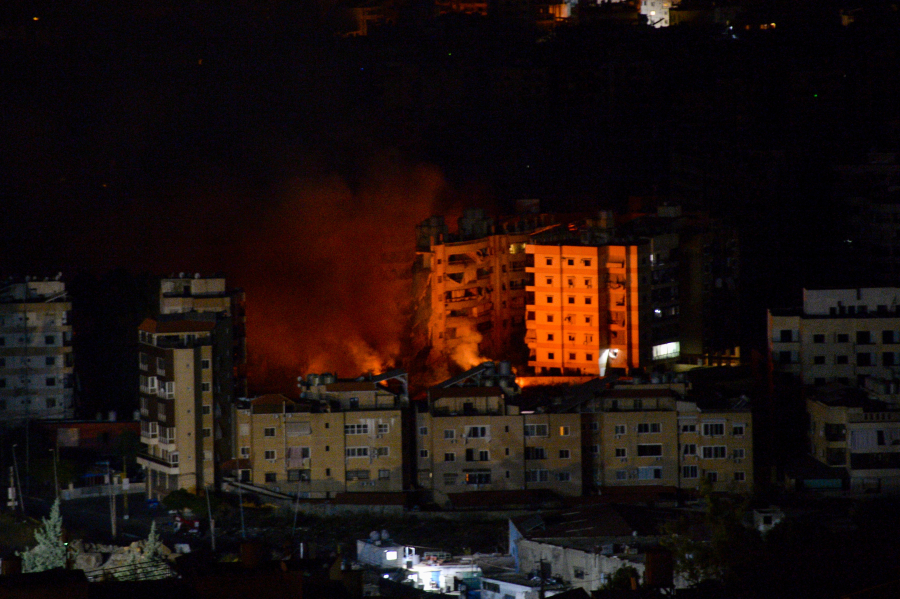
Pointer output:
x,y
112,501
55,473
212,522
18,479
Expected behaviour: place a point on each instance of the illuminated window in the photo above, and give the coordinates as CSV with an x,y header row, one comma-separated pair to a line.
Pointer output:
x,y
564,431
667,350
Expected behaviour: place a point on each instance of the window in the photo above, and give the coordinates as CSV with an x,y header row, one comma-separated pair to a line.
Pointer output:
x,y
423,453
571,299
620,429
478,477
646,450
712,477
595,449
887,336
50,381
535,453
649,473
571,356
49,339
549,299
271,477
206,410
549,261
786,336
595,426
690,472
648,427
449,434
863,337
864,359
143,360
621,474
564,431
841,360
818,359
380,452
423,430
549,318
269,431
50,361
244,430
299,476
688,428
714,452
621,452
714,429
739,454
173,459
450,457
161,365
384,474
740,477
689,449
536,430
477,432
245,452
537,476
586,261
570,261
357,475
356,429
480,455
207,433
551,356
549,336
588,320
204,364
205,387
589,357
563,477
587,300
843,338
564,454
356,452
549,280
737,430
270,454
818,338
450,478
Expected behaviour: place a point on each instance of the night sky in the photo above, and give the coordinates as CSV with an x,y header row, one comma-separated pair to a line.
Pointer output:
x,y
248,138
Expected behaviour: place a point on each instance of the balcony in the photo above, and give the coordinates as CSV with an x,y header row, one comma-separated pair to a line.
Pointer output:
x,y
154,463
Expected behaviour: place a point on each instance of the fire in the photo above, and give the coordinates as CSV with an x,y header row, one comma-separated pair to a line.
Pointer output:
x,y
327,275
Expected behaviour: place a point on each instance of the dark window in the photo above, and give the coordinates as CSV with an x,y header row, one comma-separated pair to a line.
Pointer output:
x,y
271,477
864,359
818,338
786,336
887,336
863,337
887,358
819,360
843,338
841,360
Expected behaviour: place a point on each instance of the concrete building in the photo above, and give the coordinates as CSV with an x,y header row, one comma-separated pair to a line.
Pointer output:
x,y
471,438
845,336
185,400
588,300
187,293
861,435
340,437
639,290
584,548
472,285
36,360
652,436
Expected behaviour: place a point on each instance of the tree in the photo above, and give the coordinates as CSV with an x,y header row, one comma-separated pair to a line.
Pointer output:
x,y
50,551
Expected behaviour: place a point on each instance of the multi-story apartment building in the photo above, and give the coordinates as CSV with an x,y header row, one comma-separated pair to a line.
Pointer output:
x,y
36,360
861,435
469,437
340,437
187,293
588,300
649,435
839,335
472,285
652,289
186,378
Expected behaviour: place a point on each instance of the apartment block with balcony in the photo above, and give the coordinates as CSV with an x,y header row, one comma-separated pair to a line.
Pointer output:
x,y
195,293
588,303
845,336
339,437
472,284
36,359
470,438
185,400
860,435
639,435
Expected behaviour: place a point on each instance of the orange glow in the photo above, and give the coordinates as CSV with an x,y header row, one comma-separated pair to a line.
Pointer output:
x,y
328,274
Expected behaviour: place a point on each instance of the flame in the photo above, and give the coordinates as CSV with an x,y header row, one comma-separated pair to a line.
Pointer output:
x,y
328,277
